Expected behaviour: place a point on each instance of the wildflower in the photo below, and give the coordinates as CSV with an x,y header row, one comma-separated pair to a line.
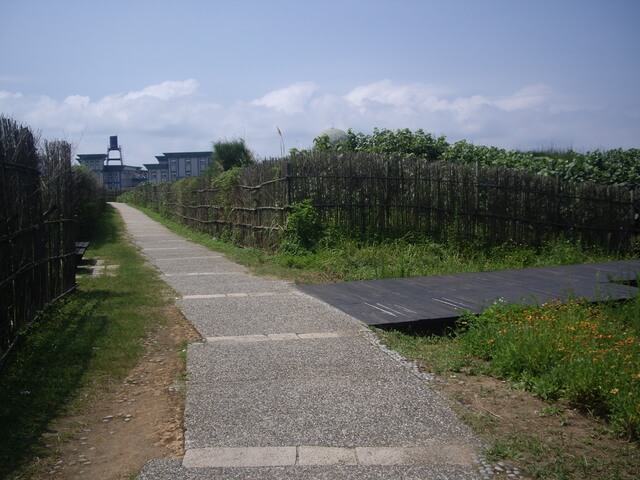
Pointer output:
x,y
614,391
502,332
600,336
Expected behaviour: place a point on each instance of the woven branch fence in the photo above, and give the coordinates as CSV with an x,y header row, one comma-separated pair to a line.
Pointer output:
x,y
379,197
37,230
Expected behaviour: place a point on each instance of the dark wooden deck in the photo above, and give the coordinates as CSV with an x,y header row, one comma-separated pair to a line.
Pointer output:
x,y
438,298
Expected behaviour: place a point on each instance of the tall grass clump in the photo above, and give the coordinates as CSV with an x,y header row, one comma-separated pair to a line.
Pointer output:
x,y
588,355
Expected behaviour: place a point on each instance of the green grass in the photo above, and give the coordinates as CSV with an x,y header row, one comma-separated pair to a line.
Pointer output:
x,y
350,260
85,342
344,260
586,354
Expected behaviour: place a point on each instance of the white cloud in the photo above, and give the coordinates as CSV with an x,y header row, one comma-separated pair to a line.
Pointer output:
x,y
386,92
173,116
289,100
165,90
77,101
419,98
530,97
4,95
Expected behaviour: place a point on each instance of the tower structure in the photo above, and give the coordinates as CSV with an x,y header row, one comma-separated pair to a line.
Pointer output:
x,y
114,147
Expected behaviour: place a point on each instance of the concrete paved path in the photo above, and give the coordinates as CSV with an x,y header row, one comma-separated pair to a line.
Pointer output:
x,y
286,386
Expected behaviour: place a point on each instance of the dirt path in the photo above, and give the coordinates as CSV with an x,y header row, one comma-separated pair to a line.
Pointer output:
x,y
119,430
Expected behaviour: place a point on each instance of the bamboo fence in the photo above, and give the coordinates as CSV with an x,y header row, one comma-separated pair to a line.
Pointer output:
x,y
37,244
369,196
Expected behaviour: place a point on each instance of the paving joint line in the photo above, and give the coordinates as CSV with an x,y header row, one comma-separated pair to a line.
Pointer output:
x,y
235,295
302,455
278,337
190,258
198,274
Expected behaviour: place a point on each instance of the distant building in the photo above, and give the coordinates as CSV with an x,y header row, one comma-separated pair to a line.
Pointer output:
x,y
174,166
115,175
122,177
93,161
112,171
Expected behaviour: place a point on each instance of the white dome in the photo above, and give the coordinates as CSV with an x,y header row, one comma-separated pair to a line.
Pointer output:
x,y
335,135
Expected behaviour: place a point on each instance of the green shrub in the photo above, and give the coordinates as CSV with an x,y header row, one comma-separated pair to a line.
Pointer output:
x,y
232,153
303,230
89,200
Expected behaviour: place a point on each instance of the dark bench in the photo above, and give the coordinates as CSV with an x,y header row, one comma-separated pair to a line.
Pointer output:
x,y
81,247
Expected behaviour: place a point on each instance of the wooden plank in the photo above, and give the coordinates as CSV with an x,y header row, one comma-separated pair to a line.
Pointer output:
x,y
440,297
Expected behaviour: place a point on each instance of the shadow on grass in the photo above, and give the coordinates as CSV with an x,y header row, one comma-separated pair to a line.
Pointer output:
x,y
438,327
46,373
105,231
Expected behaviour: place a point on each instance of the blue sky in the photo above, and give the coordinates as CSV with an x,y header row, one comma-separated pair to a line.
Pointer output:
x,y
171,76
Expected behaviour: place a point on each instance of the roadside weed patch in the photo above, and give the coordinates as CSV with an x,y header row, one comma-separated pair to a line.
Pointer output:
x,y
440,354
583,353
577,355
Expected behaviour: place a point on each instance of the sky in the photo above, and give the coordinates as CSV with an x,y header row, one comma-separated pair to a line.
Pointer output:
x,y
169,76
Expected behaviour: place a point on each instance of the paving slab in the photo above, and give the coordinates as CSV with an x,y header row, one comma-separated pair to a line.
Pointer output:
x,y
289,312
173,470
208,285
290,456
333,392
197,263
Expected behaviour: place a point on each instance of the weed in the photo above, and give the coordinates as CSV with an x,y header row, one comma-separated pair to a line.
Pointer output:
x,y
552,410
500,450
304,229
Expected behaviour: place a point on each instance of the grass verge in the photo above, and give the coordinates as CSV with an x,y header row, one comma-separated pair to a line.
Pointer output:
x,y
339,259
86,342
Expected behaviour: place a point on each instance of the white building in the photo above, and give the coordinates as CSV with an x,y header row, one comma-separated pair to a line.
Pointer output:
x,y
177,165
